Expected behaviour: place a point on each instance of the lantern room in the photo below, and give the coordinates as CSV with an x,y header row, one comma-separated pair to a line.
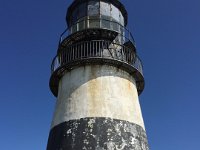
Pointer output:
x,y
97,14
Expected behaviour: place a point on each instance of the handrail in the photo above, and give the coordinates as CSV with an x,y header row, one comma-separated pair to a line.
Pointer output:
x,y
101,23
102,49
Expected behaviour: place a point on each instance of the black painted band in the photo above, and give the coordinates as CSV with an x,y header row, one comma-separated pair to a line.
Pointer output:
x,y
97,134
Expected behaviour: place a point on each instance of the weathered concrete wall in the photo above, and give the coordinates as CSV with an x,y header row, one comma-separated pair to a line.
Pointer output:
x,y
97,109
97,91
97,134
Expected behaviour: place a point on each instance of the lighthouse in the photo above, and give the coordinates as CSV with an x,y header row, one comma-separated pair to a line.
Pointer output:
x,y
97,78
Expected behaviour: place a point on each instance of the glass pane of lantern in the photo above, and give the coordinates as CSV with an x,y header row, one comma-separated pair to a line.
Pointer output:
x,y
74,28
82,10
74,15
105,22
115,26
105,9
122,32
121,19
93,8
94,22
81,24
115,13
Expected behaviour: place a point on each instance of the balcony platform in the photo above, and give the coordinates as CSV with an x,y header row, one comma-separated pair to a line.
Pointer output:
x,y
96,52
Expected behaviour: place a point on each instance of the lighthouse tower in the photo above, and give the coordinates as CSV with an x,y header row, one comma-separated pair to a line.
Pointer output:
x,y
97,78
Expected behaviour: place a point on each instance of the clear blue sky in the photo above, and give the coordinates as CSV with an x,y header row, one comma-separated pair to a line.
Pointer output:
x,y
167,33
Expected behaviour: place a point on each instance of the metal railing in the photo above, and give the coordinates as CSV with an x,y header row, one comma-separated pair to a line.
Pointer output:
x,y
99,23
97,49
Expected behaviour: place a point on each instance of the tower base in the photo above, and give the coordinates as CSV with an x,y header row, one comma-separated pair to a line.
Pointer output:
x,y
97,134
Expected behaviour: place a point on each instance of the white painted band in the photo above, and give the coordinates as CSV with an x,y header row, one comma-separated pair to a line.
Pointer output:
x,y
97,91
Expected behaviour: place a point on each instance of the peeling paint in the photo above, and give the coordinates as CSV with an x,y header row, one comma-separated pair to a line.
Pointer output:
x,y
97,91
107,134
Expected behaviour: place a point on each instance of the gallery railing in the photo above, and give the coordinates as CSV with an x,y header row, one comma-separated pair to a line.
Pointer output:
x,y
99,50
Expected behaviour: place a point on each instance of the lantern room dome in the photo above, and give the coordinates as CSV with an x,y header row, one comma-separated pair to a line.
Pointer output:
x,y
111,10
